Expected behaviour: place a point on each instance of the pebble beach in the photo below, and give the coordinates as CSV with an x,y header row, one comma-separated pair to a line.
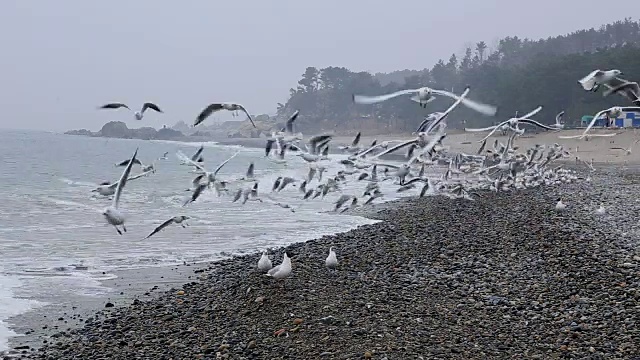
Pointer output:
x,y
502,277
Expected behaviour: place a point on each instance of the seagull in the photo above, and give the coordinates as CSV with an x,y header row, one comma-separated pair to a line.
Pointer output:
x,y
598,77
211,108
628,89
111,213
210,177
331,262
249,175
138,114
560,206
600,210
612,112
176,219
281,271
559,125
264,264
425,95
108,189
628,150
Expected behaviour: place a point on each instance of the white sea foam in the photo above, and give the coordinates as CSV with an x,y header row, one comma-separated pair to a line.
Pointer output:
x,y
10,306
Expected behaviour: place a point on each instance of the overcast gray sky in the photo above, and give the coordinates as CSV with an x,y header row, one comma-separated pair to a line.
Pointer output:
x,y
61,59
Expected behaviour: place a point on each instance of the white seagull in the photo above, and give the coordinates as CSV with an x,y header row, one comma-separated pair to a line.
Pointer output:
x,y
560,206
108,189
598,77
174,220
600,210
425,95
211,108
264,264
281,271
138,114
111,213
610,113
332,261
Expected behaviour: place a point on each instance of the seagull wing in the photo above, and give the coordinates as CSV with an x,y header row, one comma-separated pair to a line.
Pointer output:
x,y
162,226
388,165
559,117
356,140
589,81
114,106
485,109
269,146
188,161
289,125
484,143
250,170
480,129
246,112
151,106
139,175
592,122
494,130
362,99
443,115
196,193
126,162
397,147
206,112
317,139
533,122
531,113
123,180
628,89
196,156
224,163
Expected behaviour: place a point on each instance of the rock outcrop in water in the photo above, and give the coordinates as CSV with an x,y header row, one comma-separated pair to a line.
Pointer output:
x,y
118,129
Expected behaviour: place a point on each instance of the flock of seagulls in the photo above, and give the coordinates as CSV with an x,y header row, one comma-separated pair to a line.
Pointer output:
x,y
428,167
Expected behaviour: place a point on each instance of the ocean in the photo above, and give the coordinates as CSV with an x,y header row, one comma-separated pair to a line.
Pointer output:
x,y
50,221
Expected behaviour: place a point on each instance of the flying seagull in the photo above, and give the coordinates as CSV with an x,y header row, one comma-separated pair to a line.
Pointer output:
x,y
210,109
628,89
425,95
598,77
138,114
112,214
176,219
610,113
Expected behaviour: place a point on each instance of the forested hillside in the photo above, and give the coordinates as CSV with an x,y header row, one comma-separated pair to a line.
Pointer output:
x,y
519,75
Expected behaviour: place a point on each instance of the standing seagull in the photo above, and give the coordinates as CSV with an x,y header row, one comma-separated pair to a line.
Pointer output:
x,y
138,114
281,271
112,214
221,106
332,261
176,219
425,95
598,77
264,264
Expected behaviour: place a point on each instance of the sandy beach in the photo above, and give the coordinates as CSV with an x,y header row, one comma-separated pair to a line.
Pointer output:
x,y
505,276
596,148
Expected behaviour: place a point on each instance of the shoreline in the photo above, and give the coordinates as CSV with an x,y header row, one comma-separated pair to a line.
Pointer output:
x,y
462,294
598,149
